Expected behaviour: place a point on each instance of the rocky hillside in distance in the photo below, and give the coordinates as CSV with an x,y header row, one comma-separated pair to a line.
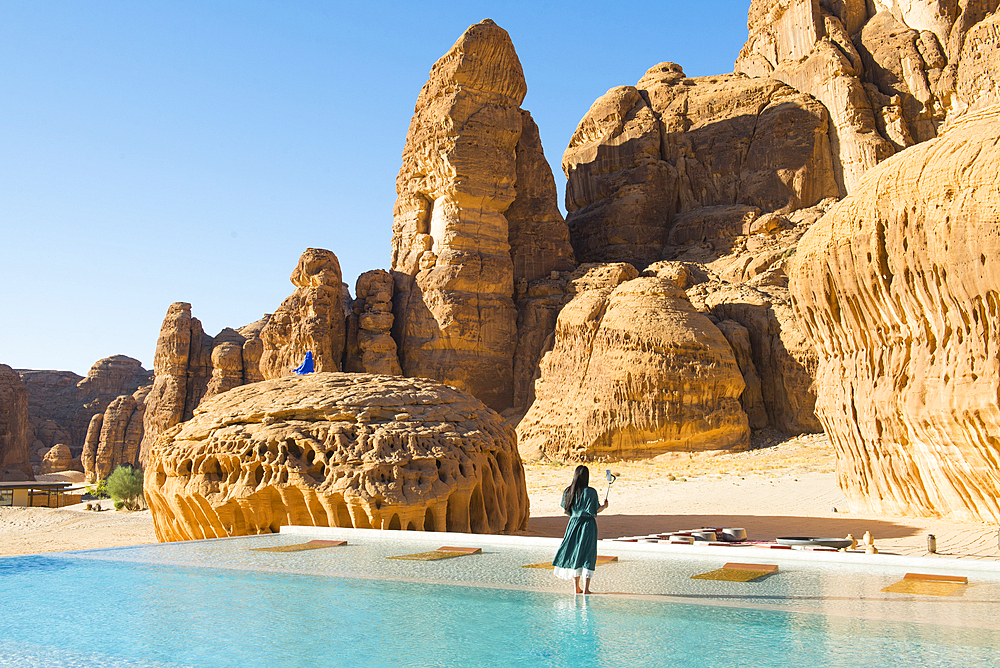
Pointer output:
x,y
61,404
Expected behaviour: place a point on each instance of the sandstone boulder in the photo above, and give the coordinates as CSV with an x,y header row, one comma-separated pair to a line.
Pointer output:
x,y
634,372
897,289
15,463
472,156
336,449
59,459
312,319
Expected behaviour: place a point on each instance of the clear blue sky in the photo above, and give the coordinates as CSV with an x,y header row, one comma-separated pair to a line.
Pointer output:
x,y
153,151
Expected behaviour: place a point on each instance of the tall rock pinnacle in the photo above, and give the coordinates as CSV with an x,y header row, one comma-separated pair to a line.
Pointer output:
x,y
451,248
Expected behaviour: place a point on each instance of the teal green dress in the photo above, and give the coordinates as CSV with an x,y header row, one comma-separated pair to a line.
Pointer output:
x,y
577,555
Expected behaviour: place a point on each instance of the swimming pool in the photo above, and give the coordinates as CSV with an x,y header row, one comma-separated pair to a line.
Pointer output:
x,y
220,603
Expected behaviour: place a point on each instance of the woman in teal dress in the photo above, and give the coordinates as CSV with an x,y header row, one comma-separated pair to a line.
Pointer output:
x,y
577,555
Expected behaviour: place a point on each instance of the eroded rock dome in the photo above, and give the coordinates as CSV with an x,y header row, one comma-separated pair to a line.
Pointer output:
x,y
336,449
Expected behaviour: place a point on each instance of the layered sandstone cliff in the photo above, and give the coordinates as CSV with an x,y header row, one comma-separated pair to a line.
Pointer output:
x,y
886,71
671,144
114,437
336,449
14,427
189,365
471,156
897,288
62,403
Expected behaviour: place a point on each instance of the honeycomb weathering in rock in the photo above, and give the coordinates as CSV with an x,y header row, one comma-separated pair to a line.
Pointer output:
x,y
335,449
898,287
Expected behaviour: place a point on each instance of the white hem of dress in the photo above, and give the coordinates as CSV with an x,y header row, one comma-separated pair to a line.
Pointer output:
x,y
570,573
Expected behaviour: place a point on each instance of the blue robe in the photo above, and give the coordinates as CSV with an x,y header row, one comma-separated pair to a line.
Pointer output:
x,y
307,365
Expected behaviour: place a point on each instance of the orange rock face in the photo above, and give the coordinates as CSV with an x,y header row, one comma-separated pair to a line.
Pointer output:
x,y
471,157
14,427
897,289
336,449
189,365
312,319
634,372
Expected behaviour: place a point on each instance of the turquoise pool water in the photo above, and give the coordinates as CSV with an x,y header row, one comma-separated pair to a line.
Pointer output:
x,y
139,607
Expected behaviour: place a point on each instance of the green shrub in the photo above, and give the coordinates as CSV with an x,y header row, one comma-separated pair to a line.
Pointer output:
x,y
99,490
125,485
119,504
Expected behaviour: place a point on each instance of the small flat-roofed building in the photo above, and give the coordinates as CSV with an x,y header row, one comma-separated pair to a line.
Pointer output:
x,y
39,494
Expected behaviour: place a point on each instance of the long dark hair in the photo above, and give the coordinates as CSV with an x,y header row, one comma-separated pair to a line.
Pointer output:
x,y
581,481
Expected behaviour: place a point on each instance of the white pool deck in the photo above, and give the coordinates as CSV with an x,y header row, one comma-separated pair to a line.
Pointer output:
x,y
936,564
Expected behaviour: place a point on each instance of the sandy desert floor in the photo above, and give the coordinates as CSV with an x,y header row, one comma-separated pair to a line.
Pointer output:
x,y
784,488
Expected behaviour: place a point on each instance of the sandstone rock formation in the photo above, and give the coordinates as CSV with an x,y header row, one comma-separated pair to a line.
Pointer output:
x,y
59,459
189,365
373,310
337,449
14,427
312,319
471,157
115,436
61,403
741,279
634,372
897,288
810,48
887,71
671,144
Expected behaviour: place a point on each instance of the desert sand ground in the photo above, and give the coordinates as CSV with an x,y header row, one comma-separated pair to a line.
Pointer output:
x,y
785,488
